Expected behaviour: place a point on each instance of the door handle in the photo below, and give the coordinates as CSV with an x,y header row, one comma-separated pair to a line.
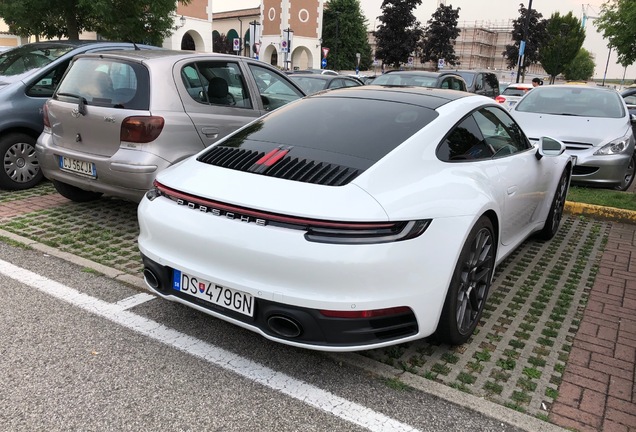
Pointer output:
x,y
210,132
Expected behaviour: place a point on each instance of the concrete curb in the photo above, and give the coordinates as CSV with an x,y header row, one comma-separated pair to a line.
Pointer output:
x,y
608,213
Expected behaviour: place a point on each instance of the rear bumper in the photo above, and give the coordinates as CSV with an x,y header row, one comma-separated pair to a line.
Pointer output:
x,y
127,174
278,321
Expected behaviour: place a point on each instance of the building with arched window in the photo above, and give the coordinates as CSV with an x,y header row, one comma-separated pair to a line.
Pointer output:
x,y
192,29
290,31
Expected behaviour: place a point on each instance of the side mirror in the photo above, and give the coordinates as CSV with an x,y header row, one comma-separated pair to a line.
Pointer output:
x,y
549,147
632,118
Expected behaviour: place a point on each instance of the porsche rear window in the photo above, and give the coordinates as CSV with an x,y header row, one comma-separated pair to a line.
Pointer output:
x,y
342,128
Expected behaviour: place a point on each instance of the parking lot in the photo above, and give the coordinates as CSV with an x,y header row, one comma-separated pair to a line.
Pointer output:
x,y
517,358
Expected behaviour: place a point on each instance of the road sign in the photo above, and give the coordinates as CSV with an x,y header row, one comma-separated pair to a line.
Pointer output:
x,y
324,63
325,51
410,61
283,46
441,63
236,44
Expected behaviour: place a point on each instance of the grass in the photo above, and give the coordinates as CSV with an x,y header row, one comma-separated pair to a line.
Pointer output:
x,y
603,197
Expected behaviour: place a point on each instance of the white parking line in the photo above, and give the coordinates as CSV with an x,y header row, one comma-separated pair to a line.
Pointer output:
x,y
307,393
136,300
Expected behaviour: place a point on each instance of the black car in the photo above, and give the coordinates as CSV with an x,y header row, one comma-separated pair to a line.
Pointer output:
x,y
29,75
482,82
443,80
313,83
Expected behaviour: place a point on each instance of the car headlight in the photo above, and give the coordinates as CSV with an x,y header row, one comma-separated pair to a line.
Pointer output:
x,y
617,146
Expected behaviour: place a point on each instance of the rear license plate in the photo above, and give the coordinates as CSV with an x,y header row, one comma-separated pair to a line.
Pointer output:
x,y
234,300
77,166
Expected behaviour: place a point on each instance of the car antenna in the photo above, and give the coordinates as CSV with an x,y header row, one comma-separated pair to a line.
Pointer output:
x,y
135,45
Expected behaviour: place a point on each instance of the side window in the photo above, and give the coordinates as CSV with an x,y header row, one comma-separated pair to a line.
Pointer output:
x,y
630,100
464,143
500,131
46,84
479,82
458,85
446,84
216,83
491,84
275,89
350,83
336,83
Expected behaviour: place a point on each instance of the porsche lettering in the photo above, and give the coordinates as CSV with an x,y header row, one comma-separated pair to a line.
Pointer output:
x,y
222,213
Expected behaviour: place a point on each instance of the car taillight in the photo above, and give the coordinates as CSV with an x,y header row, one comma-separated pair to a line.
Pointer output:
x,y
45,116
500,99
366,313
141,129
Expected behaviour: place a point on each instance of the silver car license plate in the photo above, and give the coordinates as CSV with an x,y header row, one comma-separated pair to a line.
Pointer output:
x,y
77,166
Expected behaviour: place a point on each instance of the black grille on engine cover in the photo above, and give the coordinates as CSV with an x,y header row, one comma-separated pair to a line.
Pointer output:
x,y
289,168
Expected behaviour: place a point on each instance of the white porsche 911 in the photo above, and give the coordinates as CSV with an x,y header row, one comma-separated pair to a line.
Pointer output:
x,y
353,219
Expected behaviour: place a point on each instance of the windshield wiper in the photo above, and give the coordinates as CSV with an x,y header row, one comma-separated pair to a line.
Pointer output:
x,y
81,106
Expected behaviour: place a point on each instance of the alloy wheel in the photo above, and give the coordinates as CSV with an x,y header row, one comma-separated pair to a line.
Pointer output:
x,y
475,278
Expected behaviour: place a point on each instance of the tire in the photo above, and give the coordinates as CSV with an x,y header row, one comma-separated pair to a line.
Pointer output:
x,y
20,167
628,176
74,193
556,209
469,285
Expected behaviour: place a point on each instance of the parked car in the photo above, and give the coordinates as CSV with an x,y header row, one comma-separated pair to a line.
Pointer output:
x,y
444,80
323,228
511,94
28,77
594,124
312,83
314,71
119,118
365,79
629,95
481,82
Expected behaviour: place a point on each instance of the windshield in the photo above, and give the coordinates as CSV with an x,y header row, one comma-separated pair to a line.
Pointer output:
x,y
573,101
309,84
25,58
406,80
515,91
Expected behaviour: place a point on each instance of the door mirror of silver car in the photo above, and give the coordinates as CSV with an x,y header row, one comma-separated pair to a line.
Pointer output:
x,y
550,147
632,117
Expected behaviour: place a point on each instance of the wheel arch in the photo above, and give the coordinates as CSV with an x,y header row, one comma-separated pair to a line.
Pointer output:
x,y
20,129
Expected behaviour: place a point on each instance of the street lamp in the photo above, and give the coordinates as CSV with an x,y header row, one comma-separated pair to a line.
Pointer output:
x,y
287,38
335,57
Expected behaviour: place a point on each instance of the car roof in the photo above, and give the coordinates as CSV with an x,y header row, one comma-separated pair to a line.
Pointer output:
x,y
422,73
519,85
145,55
75,43
426,97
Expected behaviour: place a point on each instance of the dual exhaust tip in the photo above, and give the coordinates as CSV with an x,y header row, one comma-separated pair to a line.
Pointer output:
x,y
279,324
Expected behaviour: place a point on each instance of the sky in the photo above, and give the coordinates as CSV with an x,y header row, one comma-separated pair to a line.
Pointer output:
x,y
497,11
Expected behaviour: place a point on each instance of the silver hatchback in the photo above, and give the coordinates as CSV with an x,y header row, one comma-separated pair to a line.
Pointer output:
x,y
118,118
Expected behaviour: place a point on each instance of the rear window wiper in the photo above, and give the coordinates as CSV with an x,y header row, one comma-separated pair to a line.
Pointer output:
x,y
81,106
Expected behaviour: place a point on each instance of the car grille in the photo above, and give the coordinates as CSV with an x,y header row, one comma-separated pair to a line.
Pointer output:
x,y
583,170
573,145
289,168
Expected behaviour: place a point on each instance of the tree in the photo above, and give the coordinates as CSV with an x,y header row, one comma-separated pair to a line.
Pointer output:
x,y
440,35
148,21
617,20
221,44
345,34
535,37
399,32
565,37
581,68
